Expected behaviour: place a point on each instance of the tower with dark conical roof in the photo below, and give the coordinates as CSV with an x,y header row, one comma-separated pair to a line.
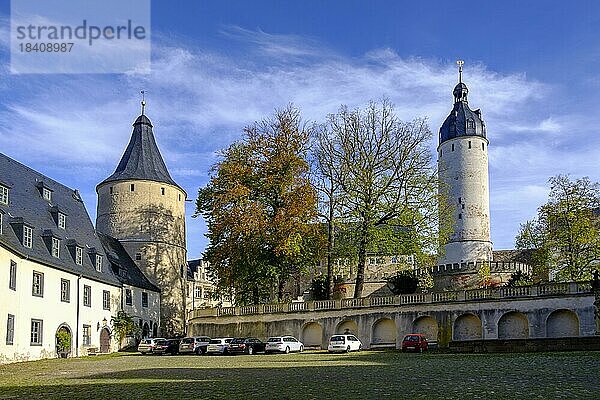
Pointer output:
x,y
141,206
463,171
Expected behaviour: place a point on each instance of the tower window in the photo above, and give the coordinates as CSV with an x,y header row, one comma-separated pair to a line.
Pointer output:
x,y
110,189
469,144
162,191
132,187
440,152
470,124
483,146
179,197
452,146
460,216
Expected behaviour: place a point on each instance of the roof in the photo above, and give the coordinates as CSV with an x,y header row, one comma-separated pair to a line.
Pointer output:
x,y
28,207
123,266
192,268
457,123
142,159
513,255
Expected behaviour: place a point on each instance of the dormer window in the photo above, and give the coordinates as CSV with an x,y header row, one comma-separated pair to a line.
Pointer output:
x,y
78,255
47,194
470,124
55,247
52,242
44,190
3,195
98,263
27,236
62,220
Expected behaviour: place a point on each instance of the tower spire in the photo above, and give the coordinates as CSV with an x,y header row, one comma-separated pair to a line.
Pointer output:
x,y
143,92
460,64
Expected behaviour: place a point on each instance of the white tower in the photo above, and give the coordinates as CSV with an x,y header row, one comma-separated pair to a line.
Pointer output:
x,y
463,170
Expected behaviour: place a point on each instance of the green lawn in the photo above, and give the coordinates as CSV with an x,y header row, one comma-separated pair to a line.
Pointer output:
x,y
364,375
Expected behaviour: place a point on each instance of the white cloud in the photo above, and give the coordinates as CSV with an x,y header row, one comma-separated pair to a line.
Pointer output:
x,y
199,100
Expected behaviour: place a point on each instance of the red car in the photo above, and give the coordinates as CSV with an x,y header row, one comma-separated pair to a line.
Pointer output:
x,y
414,342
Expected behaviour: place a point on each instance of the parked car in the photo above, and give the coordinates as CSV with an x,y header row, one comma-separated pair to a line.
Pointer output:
x,y
148,345
414,342
283,344
218,346
248,345
344,343
167,346
196,344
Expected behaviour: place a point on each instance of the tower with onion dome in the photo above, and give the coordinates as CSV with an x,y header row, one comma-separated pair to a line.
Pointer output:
x,y
463,171
141,206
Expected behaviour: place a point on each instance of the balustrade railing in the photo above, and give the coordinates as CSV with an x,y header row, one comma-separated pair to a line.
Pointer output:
x,y
550,289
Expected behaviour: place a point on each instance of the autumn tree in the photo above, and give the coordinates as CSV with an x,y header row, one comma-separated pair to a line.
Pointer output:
x,y
260,210
566,232
386,185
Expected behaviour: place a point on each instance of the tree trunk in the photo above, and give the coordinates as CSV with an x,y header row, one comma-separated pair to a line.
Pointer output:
x,y
362,260
280,290
330,243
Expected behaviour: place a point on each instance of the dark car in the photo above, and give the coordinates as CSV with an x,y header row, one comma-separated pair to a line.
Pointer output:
x,y
245,346
167,346
414,342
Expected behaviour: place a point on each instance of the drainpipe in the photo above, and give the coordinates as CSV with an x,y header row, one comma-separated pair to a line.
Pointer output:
x,y
77,326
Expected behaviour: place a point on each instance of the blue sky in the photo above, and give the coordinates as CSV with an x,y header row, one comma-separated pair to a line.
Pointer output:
x,y
532,67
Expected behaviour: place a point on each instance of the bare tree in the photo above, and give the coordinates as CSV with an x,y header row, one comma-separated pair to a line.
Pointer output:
x,y
382,168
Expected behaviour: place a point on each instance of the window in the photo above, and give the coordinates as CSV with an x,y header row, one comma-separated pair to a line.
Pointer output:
x,y
469,144
470,124
459,216
65,290
452,146
138,256
179,197
10,329
132,187
37,326
106,300
37,288
3,195
110,189
128,297
12,278
87,296
98,263
198,292
27,236
78,255
55,247
47,194
144,299
207,295
162,191
483,146
62,221
87,335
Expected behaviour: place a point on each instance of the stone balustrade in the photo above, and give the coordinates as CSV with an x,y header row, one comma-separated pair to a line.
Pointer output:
x,y
550,289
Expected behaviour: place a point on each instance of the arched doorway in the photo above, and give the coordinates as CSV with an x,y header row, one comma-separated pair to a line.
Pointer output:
x,y
427,326
312,335
145,330
63,340
104,340
513,325
347,326
562,323
467,327
384,332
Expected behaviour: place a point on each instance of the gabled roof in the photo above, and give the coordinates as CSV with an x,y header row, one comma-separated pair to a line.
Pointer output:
x,y
28,207
142,159
123,266
192,268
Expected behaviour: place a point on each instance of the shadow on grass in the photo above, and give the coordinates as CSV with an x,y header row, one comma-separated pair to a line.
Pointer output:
x,y
378,376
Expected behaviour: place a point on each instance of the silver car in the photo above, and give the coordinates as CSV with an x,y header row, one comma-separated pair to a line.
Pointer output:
x,y
196,344
148,345
218,346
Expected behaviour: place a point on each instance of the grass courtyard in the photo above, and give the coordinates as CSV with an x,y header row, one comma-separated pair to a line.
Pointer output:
x,y
310,375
